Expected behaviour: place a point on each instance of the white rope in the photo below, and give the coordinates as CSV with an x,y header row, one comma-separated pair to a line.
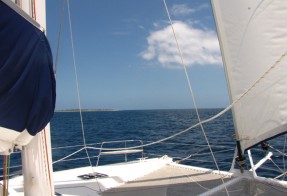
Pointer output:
x,y
202,154
173,143
81,145
190,144
94,148
69,155
64,147
76,159
77,84
205,161
84,148
220,151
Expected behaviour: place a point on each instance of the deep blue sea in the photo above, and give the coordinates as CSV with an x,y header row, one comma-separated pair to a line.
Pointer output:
x,y
149,126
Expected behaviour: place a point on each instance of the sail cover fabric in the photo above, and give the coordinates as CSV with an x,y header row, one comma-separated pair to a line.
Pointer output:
x,y
253,37
27,82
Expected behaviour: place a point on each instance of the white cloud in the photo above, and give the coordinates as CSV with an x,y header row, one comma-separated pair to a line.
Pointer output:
x,y
199,47
181,9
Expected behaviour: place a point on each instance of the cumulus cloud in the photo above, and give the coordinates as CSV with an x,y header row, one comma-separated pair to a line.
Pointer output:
x,y
199,47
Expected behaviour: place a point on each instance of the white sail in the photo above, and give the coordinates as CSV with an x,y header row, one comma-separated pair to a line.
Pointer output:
x,y
253,38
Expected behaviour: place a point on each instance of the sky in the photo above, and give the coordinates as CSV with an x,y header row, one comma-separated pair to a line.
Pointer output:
x,y
127,58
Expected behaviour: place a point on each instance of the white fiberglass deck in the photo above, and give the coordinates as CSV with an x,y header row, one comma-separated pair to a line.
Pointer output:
x,y
68,182
148,177
152,177
162,177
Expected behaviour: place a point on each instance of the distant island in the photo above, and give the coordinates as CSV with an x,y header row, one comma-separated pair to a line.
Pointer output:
x,y
86,110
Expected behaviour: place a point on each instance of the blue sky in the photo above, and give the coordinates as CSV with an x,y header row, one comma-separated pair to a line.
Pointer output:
x,y
127,58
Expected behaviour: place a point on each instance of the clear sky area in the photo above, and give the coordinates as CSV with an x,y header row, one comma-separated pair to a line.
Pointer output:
x,y
127,58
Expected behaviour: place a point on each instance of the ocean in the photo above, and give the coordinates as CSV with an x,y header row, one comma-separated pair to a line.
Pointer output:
x,y
148,126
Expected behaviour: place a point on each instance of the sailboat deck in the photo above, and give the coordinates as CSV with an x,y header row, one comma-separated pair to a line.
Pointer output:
x,y
151,177
171,180
179,180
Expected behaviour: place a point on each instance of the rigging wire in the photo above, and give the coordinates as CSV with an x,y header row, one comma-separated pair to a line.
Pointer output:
x,y
77,85
283,156
78,95
277,166
59,37
282,153
284,168
192,93
94,148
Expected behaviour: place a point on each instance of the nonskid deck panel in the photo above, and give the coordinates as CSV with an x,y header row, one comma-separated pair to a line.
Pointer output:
x,y
170,180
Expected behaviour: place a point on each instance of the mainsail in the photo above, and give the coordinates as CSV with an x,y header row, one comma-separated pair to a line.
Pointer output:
x,y
253,39
27,90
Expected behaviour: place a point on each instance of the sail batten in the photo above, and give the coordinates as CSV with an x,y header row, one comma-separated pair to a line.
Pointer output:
x,y
253,38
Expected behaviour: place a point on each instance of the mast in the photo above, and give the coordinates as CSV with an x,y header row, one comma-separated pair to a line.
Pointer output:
x,y
37,156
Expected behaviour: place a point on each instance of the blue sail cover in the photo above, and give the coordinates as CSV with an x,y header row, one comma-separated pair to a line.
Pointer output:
x,y
27,82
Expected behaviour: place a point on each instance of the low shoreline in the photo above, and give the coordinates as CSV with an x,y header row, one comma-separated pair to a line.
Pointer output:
x,y
86,110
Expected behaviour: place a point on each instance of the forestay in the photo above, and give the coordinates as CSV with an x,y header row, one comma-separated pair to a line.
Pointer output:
x,y
253,38
27,90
